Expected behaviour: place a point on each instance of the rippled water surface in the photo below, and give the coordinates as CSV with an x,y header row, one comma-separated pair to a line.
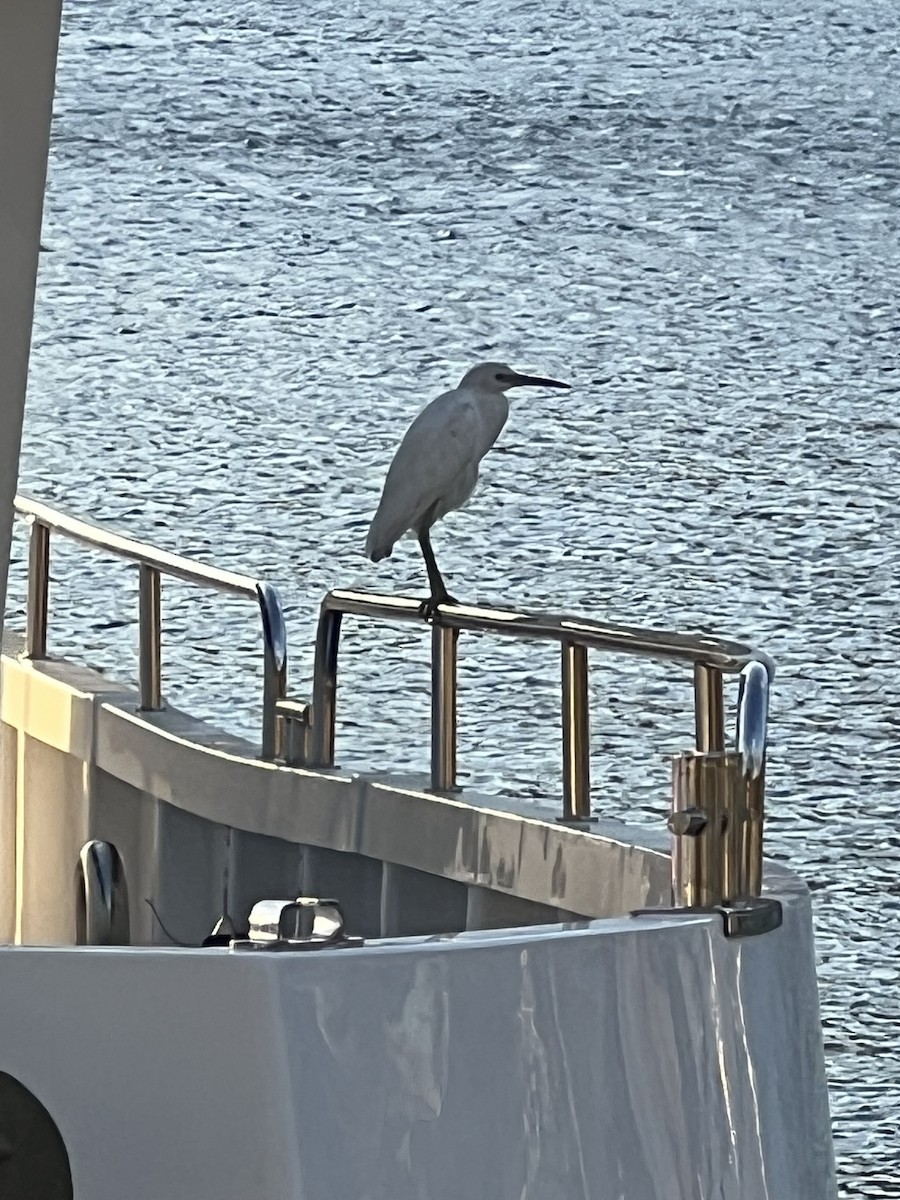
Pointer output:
x,y
271,237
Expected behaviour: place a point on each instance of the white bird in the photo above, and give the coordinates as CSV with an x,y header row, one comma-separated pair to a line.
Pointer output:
x,y
435,469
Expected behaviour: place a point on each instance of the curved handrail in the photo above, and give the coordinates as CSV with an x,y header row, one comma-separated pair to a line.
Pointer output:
x,y
153,563
724,654
711,658
167,563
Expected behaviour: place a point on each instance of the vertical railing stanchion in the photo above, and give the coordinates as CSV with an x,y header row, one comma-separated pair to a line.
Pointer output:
x,y
705,824
150,638
274,670
443,708
752,846
38,591
709,708
274,689
718,799
576,734
752,735
328,640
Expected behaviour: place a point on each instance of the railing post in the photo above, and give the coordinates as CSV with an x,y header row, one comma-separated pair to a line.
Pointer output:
x,y
443,708
150,638
294,728
706,828
709,708
274,670
752,847
576,735
38,591
752,732
328,640
272,726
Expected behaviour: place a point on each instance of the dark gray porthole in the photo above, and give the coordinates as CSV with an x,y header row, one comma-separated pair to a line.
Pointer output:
x,y
101,897
34,1164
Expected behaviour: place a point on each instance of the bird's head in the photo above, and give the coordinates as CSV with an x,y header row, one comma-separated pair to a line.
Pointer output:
x,y
499,377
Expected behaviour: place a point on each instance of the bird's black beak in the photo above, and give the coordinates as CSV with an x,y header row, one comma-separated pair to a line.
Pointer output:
x,y
514,379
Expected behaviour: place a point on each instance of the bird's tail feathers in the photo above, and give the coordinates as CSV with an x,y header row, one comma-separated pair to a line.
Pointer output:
x,y
379,544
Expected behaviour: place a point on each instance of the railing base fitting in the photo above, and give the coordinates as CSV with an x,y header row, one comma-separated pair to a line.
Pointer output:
x,y
742,918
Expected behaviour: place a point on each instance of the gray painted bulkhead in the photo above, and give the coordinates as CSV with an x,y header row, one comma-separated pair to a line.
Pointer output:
x,y
202,826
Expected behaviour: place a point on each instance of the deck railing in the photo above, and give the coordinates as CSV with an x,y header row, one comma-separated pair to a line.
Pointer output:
x,y
718,789
152,565
711,658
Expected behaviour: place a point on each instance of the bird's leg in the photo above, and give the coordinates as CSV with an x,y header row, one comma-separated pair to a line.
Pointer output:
x,y
439,593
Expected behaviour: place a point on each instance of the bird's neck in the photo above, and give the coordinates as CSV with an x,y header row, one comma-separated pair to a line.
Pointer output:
x,y
494,409
493,403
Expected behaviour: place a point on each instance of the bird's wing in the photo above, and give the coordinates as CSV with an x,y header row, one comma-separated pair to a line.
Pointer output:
x,y
447,436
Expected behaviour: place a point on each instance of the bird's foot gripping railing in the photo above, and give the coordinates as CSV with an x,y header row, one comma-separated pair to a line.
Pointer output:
x,y
717,803
152,564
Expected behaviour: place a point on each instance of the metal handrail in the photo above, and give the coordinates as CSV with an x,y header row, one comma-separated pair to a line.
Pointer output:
x,y
303,733
152,564
710,657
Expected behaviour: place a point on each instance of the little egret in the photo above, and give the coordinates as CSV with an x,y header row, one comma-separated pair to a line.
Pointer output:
x,y
435,468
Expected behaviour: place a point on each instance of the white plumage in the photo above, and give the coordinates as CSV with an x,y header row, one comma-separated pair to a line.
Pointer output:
x,y
435,469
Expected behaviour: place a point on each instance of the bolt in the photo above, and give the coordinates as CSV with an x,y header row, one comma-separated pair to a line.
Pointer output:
x,y
687,822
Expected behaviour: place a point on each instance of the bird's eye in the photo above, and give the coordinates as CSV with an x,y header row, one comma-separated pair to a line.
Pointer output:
x,y
499,378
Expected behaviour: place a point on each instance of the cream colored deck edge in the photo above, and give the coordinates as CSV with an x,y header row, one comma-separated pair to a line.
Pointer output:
x,y
73,717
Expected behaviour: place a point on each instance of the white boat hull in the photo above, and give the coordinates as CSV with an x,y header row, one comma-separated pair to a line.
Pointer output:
x,y
641,1059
